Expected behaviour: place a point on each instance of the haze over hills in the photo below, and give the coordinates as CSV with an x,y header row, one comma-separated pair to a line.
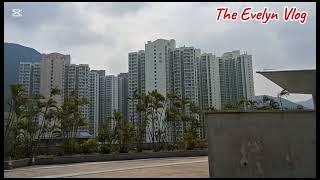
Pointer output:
x,y
285,102
13,54
308,103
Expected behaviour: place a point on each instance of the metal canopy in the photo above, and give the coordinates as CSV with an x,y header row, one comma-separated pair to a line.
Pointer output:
x,y
295,81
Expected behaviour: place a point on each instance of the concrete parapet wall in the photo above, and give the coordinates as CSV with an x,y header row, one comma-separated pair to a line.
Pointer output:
x,y
102,157
17,163
262,144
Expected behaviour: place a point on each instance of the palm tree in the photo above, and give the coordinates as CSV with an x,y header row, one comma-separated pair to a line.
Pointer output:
x,y
154,102
269,103
134,97
144,106
105,136
123,132
17,105
248,104
173,112
283,92
71,119
243,103
229,106
49,112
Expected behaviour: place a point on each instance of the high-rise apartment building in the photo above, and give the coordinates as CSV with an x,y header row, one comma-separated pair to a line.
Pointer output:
x,y
136,83
29,77
112,97
236,77
157,72
157,65
205,79
209,86
85,84
77,80
123,94
94,103
184,77
102,95
53,74
209,82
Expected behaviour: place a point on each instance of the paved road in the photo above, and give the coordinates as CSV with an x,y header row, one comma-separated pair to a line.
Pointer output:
x,y
156,167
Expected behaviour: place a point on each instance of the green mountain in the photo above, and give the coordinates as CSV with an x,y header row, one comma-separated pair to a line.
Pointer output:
x,y
13,55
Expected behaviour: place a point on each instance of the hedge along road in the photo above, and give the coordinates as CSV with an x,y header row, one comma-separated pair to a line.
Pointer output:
x,y
154,167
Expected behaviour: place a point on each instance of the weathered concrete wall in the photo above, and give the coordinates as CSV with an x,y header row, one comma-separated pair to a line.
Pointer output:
x,y
262,144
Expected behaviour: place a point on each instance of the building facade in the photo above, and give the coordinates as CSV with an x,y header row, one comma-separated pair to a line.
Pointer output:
x,y
136,84
85,84
204,79
112,97
209,87
53,74
29,77
184,78
157,75
102,95
123,94
236,77
209,82
94,103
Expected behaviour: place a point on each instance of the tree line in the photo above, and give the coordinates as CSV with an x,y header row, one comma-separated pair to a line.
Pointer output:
x,y
172,119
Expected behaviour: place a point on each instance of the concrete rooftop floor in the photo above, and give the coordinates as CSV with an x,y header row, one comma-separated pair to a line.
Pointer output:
x,y
179,167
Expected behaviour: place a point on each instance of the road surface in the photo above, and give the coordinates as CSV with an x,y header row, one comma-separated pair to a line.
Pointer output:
x,y
181,167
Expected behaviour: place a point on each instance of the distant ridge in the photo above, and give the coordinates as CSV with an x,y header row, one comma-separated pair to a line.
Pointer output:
x,y
13,55
286,103
308,103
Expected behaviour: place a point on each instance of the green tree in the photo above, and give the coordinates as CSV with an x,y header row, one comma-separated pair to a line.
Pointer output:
x,y
29,119
143,107
247,104
123,132
71,120
156,107
47,109
105,136
269,104
191,131
17,106
229,106
173,112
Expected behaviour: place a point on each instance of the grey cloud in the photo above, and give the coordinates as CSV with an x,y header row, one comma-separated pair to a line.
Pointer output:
x,y
102,34
33,14
117,8
58,22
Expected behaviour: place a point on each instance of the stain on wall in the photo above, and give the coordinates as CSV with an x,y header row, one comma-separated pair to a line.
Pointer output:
x,y
262,144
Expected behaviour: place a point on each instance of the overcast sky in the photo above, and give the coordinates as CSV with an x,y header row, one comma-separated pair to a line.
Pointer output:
x,y
102,34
